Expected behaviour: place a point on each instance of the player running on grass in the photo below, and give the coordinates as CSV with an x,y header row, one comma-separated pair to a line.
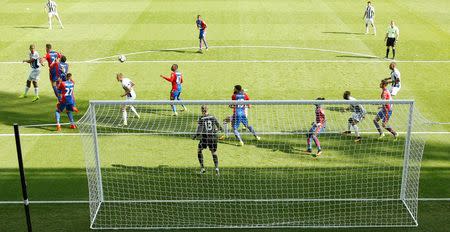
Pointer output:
x,y
52,12
35,63
66,101
201,25
385,113
52,57
394,79
317,127
358,115
176,78
240,115
207,129
130,94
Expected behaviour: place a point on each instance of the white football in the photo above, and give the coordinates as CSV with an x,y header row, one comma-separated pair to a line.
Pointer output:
x,y
122,58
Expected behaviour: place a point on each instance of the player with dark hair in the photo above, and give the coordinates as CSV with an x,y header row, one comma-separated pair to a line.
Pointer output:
x,y
385,112
369,17
240,115
66,101
317,127
201,25
394,79
207,129
358,115
176,78
35,63
52,57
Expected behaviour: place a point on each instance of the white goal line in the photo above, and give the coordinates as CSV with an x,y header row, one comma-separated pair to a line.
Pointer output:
x,y
192,133
222,200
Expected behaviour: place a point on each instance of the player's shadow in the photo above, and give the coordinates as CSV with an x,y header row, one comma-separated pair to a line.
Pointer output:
x,y
31,27
342,33
359,57
180,51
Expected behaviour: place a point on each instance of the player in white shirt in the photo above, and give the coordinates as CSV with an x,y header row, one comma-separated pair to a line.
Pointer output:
x,y
359,113
391,39
33,77
130,95
369,17
52,12
394,79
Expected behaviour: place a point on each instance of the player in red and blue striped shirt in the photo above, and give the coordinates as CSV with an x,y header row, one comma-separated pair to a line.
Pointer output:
x,y
240,115
66,101
176,78
385,112
201,25
52,57
317,127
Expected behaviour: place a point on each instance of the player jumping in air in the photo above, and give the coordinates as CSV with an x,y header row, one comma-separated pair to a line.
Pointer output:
x,y
317,127
240,115
66,102
52,57
52,12
207,129
35,63
201,25
128,87
176,78
394,79
230,119
391,39
385,113
369,16
358,115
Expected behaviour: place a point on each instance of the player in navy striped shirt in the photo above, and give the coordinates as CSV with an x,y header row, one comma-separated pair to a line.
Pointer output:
x,y
201,25
35,63
369,16
52,12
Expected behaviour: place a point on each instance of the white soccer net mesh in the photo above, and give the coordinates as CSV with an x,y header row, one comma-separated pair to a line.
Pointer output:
x,y
146,174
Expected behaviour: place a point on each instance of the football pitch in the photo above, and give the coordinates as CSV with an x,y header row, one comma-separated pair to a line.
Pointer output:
x,y
277,50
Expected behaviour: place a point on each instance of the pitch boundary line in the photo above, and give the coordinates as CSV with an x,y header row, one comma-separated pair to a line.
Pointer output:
x,y
227,200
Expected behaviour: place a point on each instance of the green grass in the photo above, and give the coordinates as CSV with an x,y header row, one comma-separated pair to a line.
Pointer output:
x,y
55,165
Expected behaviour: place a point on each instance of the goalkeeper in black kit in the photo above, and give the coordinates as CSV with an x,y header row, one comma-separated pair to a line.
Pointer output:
x,y
207,129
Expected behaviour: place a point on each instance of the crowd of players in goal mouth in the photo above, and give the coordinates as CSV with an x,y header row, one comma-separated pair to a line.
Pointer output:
x,y
208,126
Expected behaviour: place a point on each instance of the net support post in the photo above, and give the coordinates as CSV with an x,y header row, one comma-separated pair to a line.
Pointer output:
x,y
26,203
407,153
96,151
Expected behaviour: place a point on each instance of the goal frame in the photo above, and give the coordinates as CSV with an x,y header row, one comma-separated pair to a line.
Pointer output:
x,y
98,199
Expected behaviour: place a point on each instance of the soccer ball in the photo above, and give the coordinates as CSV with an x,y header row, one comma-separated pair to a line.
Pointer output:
x,y
122,58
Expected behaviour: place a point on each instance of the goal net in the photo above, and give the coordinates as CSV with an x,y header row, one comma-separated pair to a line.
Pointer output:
x,y
146,174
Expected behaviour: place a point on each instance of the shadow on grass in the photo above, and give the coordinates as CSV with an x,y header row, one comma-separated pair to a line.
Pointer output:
x,y
343,33
24,112
31,27
356,56
179,51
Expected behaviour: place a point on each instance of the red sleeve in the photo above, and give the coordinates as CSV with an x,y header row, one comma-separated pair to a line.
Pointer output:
x,y
246,97
204,24
59,55
233,97
61,86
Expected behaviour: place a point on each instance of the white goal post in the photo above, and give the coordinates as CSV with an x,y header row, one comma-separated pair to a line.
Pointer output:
x,y
145,175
